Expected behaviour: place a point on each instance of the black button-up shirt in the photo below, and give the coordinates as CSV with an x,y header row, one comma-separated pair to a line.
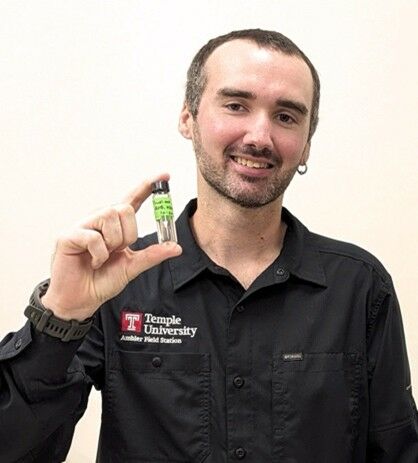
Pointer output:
x,y
308,365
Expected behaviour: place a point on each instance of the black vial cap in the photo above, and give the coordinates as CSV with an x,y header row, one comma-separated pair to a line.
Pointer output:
x,y
160,187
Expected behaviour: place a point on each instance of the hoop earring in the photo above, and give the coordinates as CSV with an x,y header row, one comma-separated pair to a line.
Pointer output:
x,y
302,169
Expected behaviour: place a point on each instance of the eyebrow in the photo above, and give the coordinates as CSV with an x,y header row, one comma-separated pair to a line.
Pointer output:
x,y
233,92
283,102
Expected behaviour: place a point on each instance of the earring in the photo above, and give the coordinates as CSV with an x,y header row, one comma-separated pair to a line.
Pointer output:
x,y
302,169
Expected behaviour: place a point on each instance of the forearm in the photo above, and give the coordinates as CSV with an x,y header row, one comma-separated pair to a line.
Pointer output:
x,y
43,391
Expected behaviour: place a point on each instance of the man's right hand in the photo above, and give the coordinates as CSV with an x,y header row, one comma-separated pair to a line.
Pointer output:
x,y
94,263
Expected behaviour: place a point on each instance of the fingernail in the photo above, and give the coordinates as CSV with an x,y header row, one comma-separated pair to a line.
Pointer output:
x,y
173,245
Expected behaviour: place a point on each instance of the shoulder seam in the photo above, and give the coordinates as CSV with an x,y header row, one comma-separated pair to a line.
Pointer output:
x,y
375,266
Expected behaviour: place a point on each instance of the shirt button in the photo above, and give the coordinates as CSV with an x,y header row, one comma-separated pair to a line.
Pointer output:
x,y
18,344
240,308
281,272
238,382
240,453
156,362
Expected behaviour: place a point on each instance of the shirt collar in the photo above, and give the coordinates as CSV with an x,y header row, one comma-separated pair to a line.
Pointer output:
x,y
193,260
299,255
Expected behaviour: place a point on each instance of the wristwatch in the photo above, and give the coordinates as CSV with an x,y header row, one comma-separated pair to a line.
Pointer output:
x,y
45,321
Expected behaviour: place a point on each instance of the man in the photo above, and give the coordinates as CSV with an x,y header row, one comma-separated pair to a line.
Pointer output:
x,y
253,340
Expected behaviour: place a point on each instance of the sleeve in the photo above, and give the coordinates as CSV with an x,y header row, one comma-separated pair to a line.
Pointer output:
x,y
393,426
44,388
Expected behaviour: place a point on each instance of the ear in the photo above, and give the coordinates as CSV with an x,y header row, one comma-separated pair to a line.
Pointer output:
x,y
186,122
305,154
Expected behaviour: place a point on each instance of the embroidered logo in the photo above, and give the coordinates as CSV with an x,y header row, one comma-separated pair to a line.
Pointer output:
x,y
153,328
131,321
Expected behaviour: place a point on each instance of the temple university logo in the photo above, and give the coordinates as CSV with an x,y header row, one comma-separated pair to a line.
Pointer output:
x,y
131,321
146,327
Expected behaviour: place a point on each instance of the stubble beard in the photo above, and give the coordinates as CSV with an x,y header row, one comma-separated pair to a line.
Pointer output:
x,y
224,183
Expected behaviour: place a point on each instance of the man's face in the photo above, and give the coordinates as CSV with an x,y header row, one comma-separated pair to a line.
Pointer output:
x,y
252,127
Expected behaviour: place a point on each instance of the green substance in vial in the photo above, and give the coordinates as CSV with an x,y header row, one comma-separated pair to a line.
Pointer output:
x,y
163,208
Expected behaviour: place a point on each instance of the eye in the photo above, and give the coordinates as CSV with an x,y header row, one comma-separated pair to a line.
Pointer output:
x,y
283,117
235,107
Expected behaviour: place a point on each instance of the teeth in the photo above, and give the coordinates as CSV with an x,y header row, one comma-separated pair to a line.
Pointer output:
x,y
249,163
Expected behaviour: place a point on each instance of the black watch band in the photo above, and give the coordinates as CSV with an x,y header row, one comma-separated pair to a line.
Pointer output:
x,y
46,322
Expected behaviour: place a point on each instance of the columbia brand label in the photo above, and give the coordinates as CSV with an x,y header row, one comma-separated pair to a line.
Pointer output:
x,y
291,357
146,327
131,321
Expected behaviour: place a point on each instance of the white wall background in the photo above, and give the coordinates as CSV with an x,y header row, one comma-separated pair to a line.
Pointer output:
x,y
90,92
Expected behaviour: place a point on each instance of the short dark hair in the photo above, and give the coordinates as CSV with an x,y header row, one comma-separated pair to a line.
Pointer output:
x,y
197,77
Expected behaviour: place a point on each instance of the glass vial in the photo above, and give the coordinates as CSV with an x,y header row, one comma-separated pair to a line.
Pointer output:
x,y
163,212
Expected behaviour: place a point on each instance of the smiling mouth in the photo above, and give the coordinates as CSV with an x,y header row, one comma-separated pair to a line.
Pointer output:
x,y
253,164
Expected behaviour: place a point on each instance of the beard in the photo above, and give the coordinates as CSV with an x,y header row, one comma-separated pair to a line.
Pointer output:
x,y
256,192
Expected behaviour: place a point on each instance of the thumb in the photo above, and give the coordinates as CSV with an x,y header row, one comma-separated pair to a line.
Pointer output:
x,y
149,257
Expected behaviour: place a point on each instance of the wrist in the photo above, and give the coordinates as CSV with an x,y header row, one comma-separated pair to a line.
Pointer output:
x,y
49,302
46,321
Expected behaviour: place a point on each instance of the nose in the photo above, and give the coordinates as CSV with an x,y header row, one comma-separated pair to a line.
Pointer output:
x,y
258,132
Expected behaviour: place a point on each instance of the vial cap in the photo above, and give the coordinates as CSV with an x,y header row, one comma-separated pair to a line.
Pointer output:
x,y
160,187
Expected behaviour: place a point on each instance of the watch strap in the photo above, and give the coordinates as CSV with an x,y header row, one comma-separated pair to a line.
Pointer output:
x,y
46,322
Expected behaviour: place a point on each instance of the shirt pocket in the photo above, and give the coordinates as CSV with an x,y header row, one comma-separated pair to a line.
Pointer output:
x,y
315,407
159,406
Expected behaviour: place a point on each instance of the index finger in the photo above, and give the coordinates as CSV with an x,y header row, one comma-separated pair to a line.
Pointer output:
x,y
138,195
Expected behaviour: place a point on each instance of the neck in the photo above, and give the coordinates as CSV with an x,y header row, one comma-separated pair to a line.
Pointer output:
x,y
232,235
